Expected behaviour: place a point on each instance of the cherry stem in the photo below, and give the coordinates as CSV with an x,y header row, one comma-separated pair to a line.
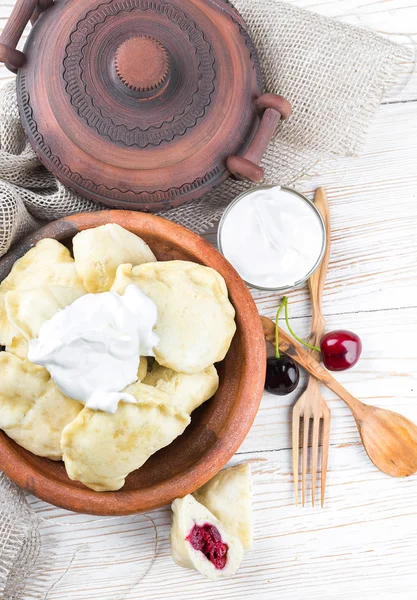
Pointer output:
x,y
294,335
277,354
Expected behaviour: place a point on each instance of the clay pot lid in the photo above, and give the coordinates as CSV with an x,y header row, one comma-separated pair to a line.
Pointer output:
x,y
139,103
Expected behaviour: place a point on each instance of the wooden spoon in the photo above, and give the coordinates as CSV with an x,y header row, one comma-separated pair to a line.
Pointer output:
x,y
390,439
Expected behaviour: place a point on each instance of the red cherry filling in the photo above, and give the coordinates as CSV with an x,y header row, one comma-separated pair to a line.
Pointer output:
x,y
207,539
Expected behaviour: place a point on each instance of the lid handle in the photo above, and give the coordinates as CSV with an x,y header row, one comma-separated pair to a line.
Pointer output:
x,y
23,11
247,166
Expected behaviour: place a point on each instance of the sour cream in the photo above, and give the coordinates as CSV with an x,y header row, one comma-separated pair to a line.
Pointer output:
x,y
273,236
92,347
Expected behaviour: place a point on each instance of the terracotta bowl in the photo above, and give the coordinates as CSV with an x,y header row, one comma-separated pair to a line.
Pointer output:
x,y
217,428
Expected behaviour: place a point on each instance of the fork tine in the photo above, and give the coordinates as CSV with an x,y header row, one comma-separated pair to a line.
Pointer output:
x,y
315,455
306,425
295,447
325,454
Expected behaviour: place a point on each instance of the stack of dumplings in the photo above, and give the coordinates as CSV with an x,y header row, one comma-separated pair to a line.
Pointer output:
x,y
195,327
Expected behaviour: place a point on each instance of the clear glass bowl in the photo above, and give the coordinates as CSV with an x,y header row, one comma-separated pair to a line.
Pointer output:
x,y
313,208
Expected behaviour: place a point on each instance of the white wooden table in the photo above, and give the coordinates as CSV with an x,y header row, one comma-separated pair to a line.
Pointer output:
x,y
364,542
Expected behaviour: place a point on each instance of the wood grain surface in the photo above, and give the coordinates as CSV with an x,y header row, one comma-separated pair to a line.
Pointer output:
x,y
363,543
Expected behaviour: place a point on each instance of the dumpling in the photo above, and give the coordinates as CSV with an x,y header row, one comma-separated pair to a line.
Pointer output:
x,y
7,331
228,495
33,412
187,392
98,252
19,347
47,263
28,309
200,541
195,322
100,449
143,368
21,384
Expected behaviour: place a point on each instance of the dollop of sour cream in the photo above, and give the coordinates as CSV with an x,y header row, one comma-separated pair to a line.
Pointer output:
x,y
273,237
92,347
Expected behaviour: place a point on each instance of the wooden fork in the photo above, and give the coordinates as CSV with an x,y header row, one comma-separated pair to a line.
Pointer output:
x,y
311,405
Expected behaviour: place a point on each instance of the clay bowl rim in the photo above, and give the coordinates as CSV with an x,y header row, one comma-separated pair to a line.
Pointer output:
x,y
82,499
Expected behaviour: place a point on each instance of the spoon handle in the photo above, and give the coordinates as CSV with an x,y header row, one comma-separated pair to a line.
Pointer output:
x,y
317,280
310,364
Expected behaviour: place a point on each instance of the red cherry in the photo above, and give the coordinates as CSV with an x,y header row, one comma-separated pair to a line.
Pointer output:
x,y
340,350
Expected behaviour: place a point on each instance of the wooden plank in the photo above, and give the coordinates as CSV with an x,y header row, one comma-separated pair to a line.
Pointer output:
x,y
373,210
374,221
362,544
385,376
395,19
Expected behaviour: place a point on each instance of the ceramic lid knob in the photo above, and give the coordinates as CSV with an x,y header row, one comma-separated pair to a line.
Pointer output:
x,y
141,64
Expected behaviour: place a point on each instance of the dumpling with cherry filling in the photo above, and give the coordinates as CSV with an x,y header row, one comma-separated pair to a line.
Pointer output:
x,y
200,542
228,495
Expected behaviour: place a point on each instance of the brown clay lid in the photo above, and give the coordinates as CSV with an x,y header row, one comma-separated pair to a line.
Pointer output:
x,y
139,103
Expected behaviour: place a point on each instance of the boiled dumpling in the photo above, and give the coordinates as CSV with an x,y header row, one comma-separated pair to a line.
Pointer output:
x,y
195,322
100,449
47,263
7,331
19,346
229,497
28,309
98,252
33,411
143,368
187,392
200,541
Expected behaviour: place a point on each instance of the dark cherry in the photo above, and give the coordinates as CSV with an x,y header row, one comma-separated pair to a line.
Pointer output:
x,y
207,539
282,375
340,350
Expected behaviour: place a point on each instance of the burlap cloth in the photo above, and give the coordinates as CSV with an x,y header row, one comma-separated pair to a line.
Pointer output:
x,y
334,75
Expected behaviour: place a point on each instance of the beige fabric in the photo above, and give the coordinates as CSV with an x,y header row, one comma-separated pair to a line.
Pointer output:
x,y
334,74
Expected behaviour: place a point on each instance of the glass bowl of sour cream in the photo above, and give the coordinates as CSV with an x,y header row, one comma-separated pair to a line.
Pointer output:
x,y
273,236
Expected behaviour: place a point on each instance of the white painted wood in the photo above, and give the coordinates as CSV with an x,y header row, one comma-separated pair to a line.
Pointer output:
x,y
385,376
363,543
372,202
